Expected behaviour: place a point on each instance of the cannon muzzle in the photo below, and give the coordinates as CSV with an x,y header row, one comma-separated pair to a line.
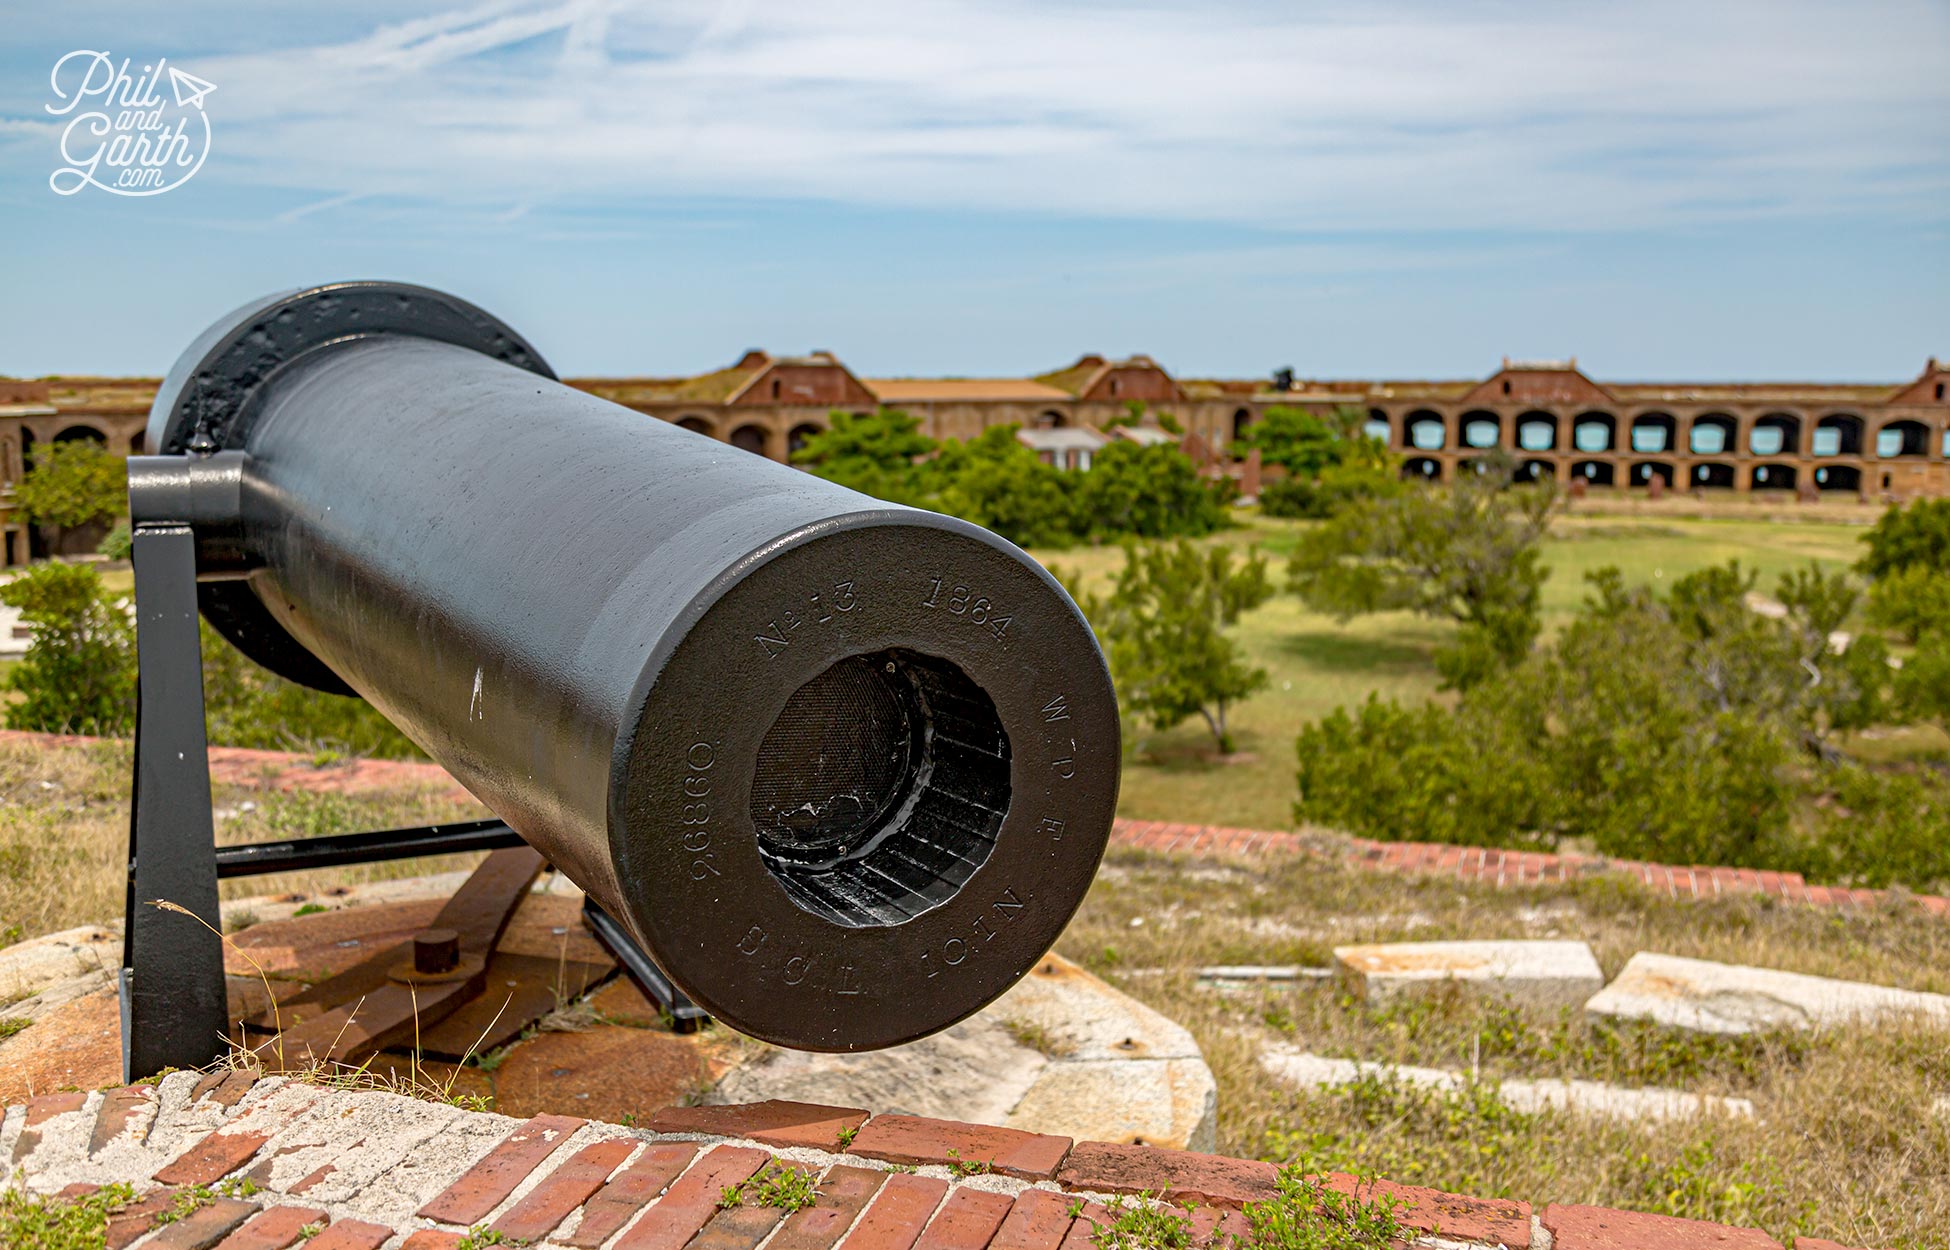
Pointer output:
x,y
844,769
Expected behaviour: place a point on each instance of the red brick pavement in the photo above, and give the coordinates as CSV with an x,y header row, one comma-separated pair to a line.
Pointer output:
x,y
637,1188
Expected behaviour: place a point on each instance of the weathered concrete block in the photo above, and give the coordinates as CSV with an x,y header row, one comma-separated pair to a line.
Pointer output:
x,y
1084,1019
1615,1102
1618,1102
1061,1053
1536,973
1173,1103
1729,998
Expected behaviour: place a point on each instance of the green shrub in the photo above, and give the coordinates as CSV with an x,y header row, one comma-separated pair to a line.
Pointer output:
x,y
1468,553
1424,774
1879,829
115,544
1147,492
1910,601
999,484
1682,728
1916,535
72,484
78,675
877,453
1332,491
250,706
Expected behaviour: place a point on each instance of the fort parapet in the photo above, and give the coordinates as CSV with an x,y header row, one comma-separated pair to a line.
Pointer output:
x,y
1871,440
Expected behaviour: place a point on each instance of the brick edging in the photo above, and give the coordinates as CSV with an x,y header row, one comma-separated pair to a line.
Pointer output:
x,y
1506,867
886,1182
285,770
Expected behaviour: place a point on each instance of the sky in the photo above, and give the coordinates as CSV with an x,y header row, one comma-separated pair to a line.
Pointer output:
x,y
1391,188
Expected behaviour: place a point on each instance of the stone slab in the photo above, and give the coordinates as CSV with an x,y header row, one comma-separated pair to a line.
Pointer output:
x,y
31,966
1171,1102
1709,997
973,1071
1296,1067
1543,974
1084,1019
1062,1053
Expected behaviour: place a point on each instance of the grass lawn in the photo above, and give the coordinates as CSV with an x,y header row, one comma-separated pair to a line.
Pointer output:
x,y
1317,664
1843,1142
64,834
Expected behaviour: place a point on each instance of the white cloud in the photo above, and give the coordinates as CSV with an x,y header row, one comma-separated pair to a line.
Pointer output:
x,y
1387,116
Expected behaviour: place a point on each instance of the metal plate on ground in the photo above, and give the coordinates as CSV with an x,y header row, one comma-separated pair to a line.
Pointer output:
x,y
520,990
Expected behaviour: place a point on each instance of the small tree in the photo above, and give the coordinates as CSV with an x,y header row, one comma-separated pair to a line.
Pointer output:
x,y
1001,485
1468,553
1146,492
1909,537
79,673
876,453
1301,442
72,484
1164,628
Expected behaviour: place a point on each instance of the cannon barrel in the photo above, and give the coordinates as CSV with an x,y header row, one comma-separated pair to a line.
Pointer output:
x,y
844,769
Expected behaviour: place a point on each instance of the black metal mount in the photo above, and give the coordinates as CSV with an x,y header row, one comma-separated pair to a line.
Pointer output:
x,y
173,992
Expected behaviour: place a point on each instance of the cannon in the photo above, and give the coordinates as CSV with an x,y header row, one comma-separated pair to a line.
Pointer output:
x,y
841,769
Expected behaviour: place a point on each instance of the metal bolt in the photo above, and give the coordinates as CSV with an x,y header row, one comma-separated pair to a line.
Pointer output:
x,y
436,951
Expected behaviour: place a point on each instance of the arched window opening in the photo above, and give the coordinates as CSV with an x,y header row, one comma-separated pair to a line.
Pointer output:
x,y
1774,477
1776,434
796,438
1426,430
1536,471
1594,472
1713,476
1422,469
1645,470
1838,477
1838,434
1377,427
696,425
1652,433
1241,420
1902,438
82,434
1537,431
1711,435
1050,419
749,438
1481,429
1593,432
